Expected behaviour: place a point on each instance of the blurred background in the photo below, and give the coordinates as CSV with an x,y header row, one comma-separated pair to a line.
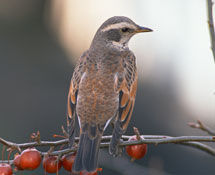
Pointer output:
x,y
41,40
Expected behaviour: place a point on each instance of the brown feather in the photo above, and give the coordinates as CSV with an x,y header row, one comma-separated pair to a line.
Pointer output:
x,y
127,92
124,100
128,89
72,98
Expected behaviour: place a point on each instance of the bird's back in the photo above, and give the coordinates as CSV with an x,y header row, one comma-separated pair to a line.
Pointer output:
x,y
97,99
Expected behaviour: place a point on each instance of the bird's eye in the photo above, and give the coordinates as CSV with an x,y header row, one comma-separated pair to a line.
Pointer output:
x,y
125,29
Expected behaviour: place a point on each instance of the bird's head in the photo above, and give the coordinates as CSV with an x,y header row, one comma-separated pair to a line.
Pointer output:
x,y
116,32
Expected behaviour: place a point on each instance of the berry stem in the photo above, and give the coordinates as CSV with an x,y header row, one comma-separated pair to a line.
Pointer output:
x,y
136,131
2,154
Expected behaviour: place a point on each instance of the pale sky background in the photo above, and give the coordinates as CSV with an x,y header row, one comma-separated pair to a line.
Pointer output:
x,y
180,41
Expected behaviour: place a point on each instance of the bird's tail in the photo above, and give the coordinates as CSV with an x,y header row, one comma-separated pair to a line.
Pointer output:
x,y
87,155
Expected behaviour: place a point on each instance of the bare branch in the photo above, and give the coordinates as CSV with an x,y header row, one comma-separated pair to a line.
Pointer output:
x,y
193,141
211,25
202,126
183,140
11,145
148,139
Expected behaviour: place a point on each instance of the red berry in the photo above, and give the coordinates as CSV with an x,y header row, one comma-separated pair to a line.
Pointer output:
x,y
136,151
30,159
5,169
51,164
16,162
68,161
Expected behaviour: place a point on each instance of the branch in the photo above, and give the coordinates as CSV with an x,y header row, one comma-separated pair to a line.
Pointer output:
x,y
192,141
211,25
203,127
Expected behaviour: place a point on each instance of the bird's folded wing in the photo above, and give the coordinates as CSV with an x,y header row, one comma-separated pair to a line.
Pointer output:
x,y
73,91
127,91
72,96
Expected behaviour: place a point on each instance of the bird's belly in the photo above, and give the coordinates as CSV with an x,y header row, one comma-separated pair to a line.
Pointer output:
x,y
97,100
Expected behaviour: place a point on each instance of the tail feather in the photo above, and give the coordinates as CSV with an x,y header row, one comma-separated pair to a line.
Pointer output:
x,y
87,155
77,166
90,154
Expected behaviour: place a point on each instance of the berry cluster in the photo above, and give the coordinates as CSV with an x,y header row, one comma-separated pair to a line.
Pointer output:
x,y
30,159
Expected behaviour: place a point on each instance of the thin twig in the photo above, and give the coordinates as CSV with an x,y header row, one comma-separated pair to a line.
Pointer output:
x,y
211,25
202,126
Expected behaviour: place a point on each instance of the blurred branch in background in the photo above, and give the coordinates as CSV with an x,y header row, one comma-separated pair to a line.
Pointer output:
x,y
211,25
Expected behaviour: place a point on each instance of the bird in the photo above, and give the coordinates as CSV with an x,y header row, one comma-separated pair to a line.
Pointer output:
x,y
103,90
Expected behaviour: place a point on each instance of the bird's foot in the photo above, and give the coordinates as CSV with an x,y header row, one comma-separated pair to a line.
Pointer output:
x,y
116,150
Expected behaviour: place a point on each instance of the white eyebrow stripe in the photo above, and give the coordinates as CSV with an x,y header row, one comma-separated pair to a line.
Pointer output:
x,y
119,25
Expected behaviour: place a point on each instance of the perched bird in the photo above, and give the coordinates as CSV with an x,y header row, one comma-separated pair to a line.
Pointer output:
x,y
103,89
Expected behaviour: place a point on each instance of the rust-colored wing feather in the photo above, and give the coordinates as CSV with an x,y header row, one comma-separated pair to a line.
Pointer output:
x,y
72,97
126,85
127,91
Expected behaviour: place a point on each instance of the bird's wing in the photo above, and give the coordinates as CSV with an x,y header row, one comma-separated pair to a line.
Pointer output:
x,y
126,86
72,96
127,90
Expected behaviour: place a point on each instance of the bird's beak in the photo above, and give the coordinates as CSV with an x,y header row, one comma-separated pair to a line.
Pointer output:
x,y
141,29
